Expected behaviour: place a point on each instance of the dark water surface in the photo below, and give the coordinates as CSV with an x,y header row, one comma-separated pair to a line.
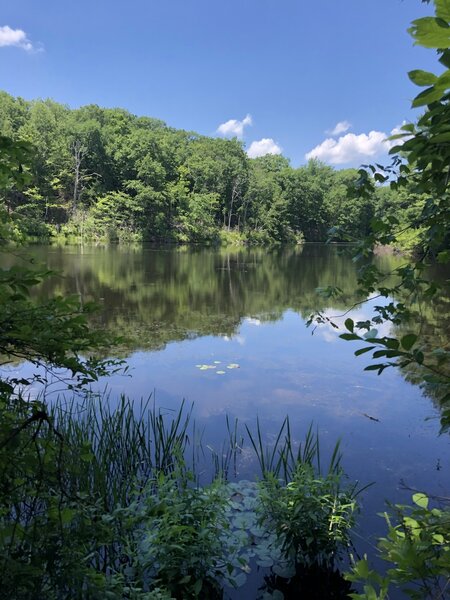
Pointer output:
x,y
183,308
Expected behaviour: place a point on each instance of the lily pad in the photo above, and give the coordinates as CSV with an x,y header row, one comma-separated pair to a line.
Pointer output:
x,y
239,579
286,571
233,366
220,372
264,562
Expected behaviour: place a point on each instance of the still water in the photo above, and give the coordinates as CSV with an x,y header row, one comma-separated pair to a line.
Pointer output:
x,y
243,313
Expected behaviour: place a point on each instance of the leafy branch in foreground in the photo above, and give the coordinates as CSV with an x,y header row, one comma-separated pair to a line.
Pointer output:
x,y
53,335
417,547
421,171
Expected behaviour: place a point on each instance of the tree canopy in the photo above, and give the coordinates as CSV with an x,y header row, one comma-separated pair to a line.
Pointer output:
x,y
102,173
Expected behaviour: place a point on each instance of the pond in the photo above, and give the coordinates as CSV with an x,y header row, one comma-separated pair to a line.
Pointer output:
x,y
226,330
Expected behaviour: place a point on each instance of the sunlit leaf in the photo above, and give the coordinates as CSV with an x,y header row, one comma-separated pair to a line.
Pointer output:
x,y
421,500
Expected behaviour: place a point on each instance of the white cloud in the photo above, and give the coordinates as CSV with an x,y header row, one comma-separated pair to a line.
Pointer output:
x,y
340,127
263,147
351,148
15,37
234,128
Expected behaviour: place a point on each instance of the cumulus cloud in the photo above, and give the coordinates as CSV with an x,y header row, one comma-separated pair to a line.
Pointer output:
x,y
353,148
15,37
263,147
340,127
234,128
396,131
350,148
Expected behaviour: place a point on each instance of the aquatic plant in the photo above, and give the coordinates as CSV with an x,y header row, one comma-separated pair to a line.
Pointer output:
x,y
417,548
311,516
280,459
122,447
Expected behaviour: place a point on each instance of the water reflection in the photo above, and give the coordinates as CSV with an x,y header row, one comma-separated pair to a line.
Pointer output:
x,y
181,308
153,297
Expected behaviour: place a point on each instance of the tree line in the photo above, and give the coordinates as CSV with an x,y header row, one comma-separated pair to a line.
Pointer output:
x,y
104,173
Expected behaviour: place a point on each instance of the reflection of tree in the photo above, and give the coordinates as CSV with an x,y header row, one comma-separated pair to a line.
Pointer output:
x,y
431,323
152,297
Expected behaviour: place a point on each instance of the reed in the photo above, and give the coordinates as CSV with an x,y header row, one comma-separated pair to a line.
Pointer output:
x,y
227,457
114,451
282,457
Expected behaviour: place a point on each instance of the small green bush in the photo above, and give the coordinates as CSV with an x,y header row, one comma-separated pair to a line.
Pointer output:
x,y
417,547
311,515
182,548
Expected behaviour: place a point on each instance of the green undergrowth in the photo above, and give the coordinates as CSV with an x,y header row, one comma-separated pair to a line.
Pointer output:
x,y
112,501
101,502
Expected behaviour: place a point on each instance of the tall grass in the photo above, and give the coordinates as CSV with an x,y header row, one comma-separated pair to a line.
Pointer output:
x,y
125,446
281,458
82,483
227,457
120,449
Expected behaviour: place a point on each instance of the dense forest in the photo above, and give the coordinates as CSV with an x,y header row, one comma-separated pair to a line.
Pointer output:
x,y
105,174
97,501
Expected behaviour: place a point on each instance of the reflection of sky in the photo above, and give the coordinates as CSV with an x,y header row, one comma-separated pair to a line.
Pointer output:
x,y
283,369
363,312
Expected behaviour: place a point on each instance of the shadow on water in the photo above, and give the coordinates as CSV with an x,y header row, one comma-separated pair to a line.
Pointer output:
x,y
313,583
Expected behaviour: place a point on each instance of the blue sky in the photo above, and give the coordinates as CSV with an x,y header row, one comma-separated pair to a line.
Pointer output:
x,y
296,68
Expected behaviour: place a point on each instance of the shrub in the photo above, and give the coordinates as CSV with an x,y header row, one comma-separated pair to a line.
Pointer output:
x,y
181,547
311,515
417,547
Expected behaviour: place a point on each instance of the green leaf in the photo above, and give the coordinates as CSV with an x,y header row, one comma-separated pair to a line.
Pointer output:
x,y
443,80
408,341
445,59
198,587
443,9
392,343
349,336
420,77
443,257
441,138
380,353
429,33
364,350
431,94
349,324
421,500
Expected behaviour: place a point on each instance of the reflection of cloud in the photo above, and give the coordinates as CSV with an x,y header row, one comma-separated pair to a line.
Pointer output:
x,y
252,321
329,334
364,313
240,339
